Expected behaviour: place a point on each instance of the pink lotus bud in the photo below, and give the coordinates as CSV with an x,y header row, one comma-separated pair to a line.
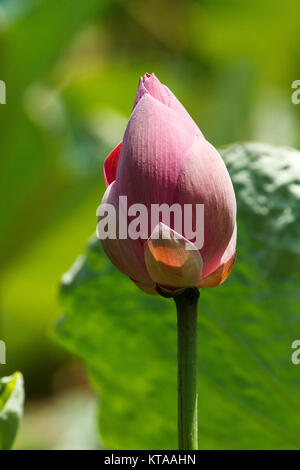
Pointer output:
x,y
164,159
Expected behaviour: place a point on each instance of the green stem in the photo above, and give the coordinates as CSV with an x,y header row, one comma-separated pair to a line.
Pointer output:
x,y
186,304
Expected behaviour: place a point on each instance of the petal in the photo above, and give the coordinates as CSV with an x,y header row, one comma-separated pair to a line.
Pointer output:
x,y
111,164
169,262
204,179
222,272
154,146
141,91
148,288
126,254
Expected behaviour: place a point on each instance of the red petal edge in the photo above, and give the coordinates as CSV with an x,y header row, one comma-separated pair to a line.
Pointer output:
x,y
111,164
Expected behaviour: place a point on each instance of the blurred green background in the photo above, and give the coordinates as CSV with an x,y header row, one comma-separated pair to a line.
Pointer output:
x,y
71,70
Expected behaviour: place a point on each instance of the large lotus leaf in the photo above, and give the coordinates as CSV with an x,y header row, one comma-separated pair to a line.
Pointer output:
x,y
248,386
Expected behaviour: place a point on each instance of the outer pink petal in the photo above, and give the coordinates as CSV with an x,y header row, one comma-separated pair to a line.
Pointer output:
x,y
151,158
141,91
111,164
168,260
127,255
204,179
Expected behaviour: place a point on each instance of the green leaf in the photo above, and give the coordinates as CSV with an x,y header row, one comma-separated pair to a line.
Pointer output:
x,y
11,408
248,386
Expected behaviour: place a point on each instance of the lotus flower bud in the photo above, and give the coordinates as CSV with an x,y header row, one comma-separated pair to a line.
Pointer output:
x,y
164,162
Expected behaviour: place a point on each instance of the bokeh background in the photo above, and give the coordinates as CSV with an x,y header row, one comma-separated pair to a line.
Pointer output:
x,y
71,69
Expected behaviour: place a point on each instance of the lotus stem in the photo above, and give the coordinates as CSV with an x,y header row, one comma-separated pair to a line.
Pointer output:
x,y
186,304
